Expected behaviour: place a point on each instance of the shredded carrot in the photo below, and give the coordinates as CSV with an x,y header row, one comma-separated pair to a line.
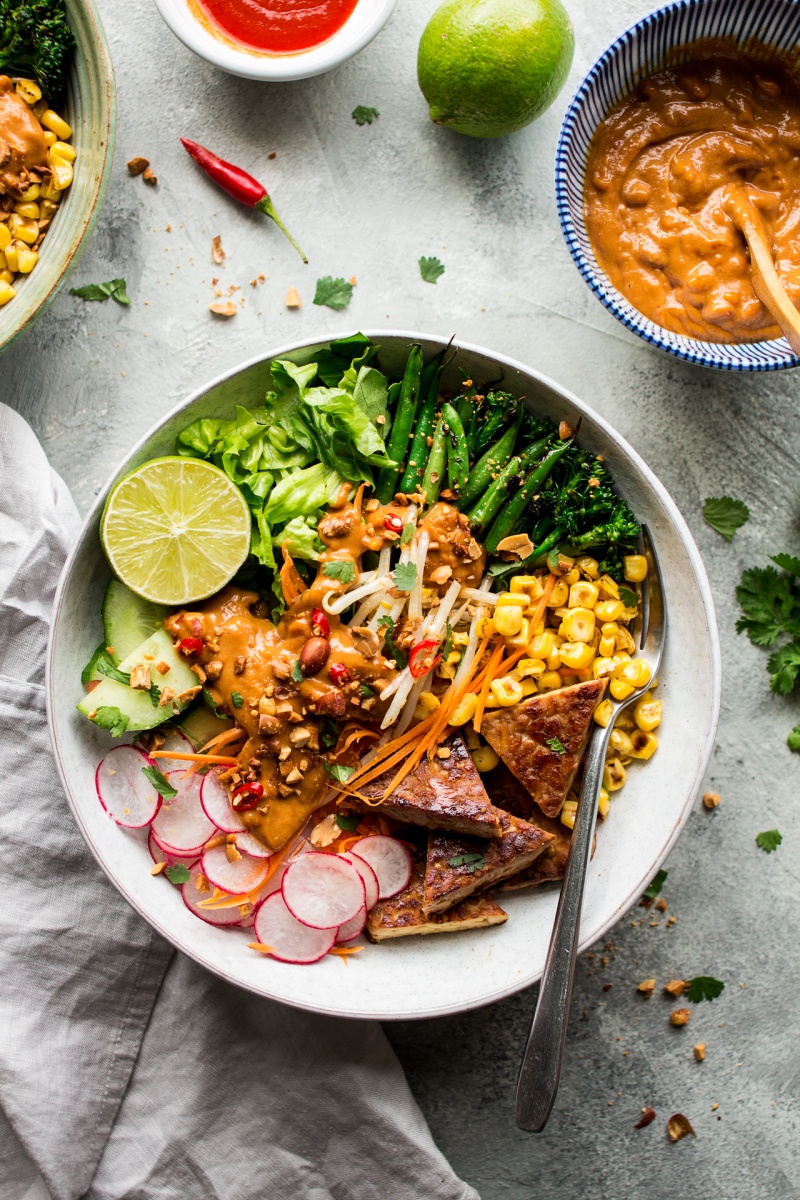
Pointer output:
x,y
541,605
345,952
483,694
198,758
291,583
513,659
262,949
222,739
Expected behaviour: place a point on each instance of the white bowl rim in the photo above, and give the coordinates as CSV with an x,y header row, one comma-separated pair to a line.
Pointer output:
x,y
706,354
276,68
525,979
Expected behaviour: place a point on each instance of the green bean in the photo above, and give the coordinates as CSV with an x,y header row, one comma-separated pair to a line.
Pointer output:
x,y
492,499
457,457
429,388
487,467
401,429
550,459
508,518
432,480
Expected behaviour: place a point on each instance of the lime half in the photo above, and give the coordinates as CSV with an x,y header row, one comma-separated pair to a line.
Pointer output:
x,y
176,530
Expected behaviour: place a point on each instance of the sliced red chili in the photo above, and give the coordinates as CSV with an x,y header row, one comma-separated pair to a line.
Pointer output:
x,y
191,646
339,674
424,658
320,625
393,523
246,796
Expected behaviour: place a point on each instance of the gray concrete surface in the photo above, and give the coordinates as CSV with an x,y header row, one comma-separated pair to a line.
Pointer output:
x,y
368,202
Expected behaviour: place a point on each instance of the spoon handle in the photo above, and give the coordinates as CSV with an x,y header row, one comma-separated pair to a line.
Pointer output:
x,y
540,1069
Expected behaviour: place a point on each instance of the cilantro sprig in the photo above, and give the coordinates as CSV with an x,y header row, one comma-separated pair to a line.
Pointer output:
x,y
769,840
339,771
333,293
770,604
404,576
114,288
467,862
342,569
364,114
430,269
704,987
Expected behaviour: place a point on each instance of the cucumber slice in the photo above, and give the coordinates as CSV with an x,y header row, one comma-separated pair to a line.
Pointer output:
x,y
200,725
120,708
128,620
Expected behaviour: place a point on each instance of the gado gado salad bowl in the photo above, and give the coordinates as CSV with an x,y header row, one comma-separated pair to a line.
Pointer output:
x,y
337,699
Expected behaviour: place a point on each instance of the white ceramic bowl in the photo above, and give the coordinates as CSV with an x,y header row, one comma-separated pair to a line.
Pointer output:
x,y
366,21
418,976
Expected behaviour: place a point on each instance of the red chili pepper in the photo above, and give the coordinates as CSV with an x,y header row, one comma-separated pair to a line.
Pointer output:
x,y
423,658
393,523
191,646
320,625
339,674
246,796
238,184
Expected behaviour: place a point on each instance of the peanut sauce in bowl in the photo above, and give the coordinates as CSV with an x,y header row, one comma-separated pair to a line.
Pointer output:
x,y
655,192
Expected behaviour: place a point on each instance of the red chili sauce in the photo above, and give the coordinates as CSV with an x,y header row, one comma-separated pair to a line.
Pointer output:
x,y
278,26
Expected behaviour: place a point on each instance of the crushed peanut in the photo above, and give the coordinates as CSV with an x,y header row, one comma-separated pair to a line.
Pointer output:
x,y
679,1126
700,1051
646,987
680,1016
228,309
293,298
157,868
711,799
137,165
675,987
217,253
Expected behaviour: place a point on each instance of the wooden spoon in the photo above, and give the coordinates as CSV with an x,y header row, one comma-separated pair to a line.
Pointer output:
x,y
766,281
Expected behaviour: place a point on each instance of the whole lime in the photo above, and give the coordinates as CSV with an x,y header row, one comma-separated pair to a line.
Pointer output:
x,y
490,67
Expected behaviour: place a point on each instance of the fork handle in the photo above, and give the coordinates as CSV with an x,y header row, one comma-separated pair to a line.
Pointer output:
x,y
540,1069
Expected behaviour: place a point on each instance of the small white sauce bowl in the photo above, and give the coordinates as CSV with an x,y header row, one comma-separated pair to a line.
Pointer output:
x,y
365,22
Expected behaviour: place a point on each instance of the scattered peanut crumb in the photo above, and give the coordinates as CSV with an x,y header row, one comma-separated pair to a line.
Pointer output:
x,y
671,920
648,1115
443,752
293,298
228,309
232,854
217,253
680,1016
675,987
156,868
149,176
272,154
353,281
646,987
167,229
679,1126
711,799
565,430
137,165
162,668
662,905
714,1107
700,1051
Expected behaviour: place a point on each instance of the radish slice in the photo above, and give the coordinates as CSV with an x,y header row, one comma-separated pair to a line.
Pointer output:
x,y
389,859
289,939
124,791
248,843
192,897
181,826
235,877
351,929
323,890
216,804
368,877
158,854
176,742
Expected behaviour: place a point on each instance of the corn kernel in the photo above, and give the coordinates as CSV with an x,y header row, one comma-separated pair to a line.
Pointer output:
x,y
513,599
559,595
65,151
445,671
634,568
625,721
623,640
508,620
529,686
529,668
647,714
572,577
11,257
614,775
49,191
606,647
39,107
461,639
61,172
644,745
521,639
465,710
620,743
427,703
31,193
603,803
2,261
560,613
578,625
453,657
543,645
26,259
636,672
27,208
52,121
484,758
5,236
485,627
569,812
576,656
603,713
550,680
28,90
50,138
588,566
621,690
609,588
603,668
531,585
23,228
608,610
583,595
507,690
6,293
553,661
6,276
48,209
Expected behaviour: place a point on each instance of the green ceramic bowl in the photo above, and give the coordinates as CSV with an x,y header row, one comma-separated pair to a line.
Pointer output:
x,y
90,109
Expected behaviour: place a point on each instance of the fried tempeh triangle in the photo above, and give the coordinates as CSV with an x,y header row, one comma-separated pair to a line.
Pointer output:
x,y
542,739
402,916
457,866
442,793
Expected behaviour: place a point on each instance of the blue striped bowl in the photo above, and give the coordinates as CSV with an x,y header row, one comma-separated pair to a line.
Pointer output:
x,y
639,51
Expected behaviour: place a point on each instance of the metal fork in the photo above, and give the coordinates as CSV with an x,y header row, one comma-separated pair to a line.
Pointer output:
x,y
540,1069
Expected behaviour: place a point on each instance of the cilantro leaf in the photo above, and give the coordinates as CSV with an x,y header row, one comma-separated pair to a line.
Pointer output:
x,y
363,114
770,606
769,840
348,821
160,782
340,568
110,718
430,269
91,666
237,699
339,771
333,293
115,288
104,665
725,515
793,740
329,734
468,862
397,654
628,597
788,563
783,666
210,704
556,745
177,874
704,987
297,671
655,886
365,691
404,576
408,533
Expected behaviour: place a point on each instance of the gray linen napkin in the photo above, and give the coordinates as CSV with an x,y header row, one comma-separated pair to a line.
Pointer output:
x,y
127,1071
